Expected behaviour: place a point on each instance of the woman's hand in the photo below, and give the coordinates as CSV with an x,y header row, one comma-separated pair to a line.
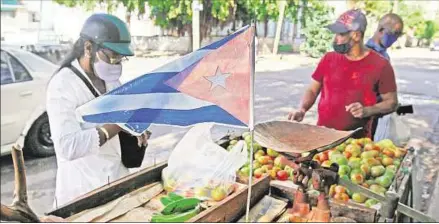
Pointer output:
x,y
142,140
52,218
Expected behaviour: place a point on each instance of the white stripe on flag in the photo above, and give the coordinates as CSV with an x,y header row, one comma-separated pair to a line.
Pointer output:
x,y
182,63
111,103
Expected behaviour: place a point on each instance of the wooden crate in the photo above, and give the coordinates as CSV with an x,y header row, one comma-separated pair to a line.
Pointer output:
x,y
228,210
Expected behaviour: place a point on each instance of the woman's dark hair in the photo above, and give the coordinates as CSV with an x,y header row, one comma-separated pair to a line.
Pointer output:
x,y
76,52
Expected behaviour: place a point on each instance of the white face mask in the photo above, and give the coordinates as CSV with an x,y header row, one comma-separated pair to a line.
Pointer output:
x,y
106,71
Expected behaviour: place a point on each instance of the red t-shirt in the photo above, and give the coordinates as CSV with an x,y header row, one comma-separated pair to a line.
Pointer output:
x,y
345,82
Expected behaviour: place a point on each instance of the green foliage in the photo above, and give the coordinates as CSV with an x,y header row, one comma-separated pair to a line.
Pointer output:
x,y
171,14
413,17
431,27
130,5
318,38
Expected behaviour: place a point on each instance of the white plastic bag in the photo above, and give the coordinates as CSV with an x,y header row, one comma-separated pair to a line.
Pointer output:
x,y
198,167
391,127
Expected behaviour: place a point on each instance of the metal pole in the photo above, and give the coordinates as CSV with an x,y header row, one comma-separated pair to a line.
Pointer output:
x,y
282,5
196,8
251,122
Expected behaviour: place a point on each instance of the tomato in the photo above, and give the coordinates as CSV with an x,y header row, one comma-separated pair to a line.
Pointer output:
x,y
340,189
282,175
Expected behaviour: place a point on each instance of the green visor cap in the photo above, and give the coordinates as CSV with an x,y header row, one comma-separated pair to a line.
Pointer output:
x,y
124,49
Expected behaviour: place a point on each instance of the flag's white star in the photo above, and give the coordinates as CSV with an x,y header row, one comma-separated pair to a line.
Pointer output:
x,y
219,79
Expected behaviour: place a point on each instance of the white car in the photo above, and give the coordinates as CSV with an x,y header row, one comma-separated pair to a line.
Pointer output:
x,y
24,78
434,46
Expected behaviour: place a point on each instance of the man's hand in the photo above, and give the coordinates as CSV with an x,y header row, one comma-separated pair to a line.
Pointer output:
x,y
358,110
297,115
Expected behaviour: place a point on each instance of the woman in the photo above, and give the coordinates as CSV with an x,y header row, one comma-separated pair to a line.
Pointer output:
x,y
89,155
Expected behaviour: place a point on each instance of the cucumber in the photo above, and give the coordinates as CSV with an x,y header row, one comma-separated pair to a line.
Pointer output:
x,y
165,200
178,217
175,197
182,205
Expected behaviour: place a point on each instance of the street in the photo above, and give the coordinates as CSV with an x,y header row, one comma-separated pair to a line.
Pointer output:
x,y
279,85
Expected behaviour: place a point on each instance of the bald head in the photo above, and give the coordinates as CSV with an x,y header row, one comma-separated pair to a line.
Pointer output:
x,y
391,21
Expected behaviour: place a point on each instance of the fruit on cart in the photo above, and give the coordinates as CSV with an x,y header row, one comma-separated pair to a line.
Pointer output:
x,y
357,178
265,160
354,149
259,172
344,170
341,147
377,189
331,154
387,161
326,163
369,147
344,197
377,171
218,193
272,153
354,163
339,189
370,164
289,170
245,171
280,162
384,181
370,202
282,175
267,167
366,169
357,197
202,192
256,165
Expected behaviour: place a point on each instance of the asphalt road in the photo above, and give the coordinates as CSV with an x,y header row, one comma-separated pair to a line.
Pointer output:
x,y
279,86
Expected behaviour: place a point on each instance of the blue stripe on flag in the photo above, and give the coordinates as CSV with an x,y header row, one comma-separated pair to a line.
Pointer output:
x,y
223,41
138,128
166,116
148,83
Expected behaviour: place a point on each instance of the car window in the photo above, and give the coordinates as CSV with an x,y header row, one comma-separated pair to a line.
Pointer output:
x,y
34,62
6,76
20,72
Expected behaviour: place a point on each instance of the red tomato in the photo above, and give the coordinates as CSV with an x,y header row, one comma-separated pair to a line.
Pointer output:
x,y
282,175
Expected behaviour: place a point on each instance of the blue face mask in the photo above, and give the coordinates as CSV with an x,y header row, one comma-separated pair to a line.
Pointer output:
x,y
388,39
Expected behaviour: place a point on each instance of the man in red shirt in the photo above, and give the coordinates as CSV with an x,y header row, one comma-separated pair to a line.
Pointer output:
x,y
348,80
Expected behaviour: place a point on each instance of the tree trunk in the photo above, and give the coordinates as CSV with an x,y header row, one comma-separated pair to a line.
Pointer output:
x,y
191,39
128,19
265,26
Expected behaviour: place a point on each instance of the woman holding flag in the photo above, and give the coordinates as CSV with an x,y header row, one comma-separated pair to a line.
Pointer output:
x,y
90,155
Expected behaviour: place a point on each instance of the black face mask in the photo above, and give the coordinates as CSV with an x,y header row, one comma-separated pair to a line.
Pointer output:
x,y
342,48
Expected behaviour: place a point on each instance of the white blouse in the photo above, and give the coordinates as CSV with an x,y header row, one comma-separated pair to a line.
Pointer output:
x,y
83,165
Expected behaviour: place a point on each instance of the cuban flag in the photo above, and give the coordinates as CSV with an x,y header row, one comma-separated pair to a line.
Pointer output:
x,y
211,84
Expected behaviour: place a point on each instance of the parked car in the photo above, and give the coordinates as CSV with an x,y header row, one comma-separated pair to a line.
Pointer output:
x,y
434,46
24,78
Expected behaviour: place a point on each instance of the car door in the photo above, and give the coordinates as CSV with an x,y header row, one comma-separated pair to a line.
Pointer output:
x,y
17,103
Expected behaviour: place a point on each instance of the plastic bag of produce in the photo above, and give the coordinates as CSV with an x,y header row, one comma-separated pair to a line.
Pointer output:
x,y
393,128
200,168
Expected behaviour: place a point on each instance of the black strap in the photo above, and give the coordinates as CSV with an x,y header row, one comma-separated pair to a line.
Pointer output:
x,y
86,82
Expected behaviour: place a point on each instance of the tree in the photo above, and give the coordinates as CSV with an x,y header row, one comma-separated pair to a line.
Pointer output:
x,y
131,6
259,10
431,27
318,37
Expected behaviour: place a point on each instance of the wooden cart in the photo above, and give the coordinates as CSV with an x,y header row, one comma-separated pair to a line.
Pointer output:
x,y
233,207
